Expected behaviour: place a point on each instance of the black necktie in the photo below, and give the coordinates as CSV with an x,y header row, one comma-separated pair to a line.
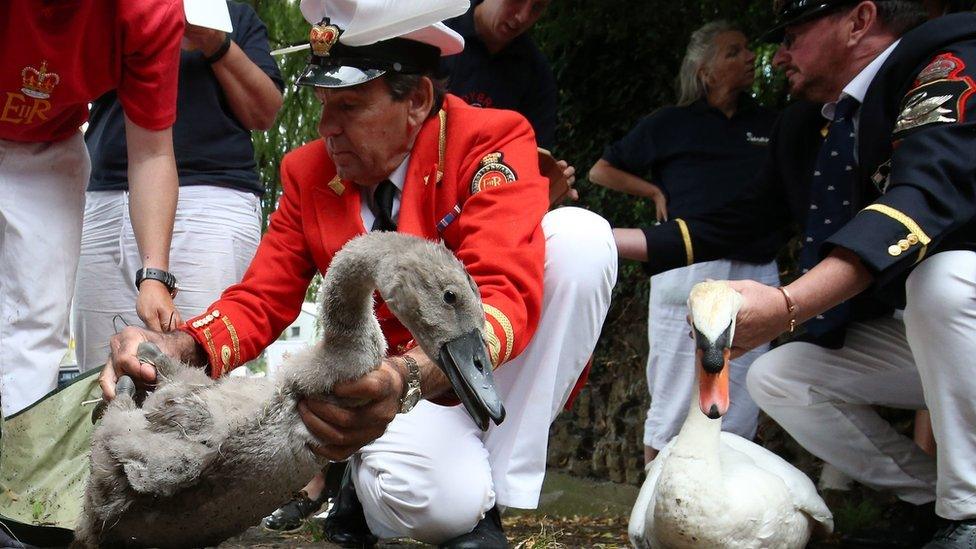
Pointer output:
x,y
831,190
383,199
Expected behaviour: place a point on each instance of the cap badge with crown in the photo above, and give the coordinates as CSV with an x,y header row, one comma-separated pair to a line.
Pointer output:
x,y
355,41
323,36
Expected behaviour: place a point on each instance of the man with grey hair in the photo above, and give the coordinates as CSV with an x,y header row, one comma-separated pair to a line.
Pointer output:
x,y
699,155
877,169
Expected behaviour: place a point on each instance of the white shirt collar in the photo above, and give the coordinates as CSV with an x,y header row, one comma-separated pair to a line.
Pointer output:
x,y
858,86
398,178
399,175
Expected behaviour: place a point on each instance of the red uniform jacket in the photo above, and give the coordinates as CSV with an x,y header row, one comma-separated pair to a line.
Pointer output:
x,y
472,180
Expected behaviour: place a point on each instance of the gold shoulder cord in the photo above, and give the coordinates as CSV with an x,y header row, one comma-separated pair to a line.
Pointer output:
x,y
441,144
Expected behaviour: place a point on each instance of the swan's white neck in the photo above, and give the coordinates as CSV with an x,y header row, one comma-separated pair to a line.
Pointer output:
x,y
690,490
699,435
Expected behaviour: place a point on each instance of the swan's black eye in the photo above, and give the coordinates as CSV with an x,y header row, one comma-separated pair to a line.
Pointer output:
x,y
450,297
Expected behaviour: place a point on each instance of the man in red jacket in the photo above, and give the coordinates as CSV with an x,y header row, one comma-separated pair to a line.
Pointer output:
x,y
398,154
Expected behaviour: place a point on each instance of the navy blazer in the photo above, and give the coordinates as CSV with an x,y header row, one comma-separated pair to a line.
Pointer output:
x,y
916,167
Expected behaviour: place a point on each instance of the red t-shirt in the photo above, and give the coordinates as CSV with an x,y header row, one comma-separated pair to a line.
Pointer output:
x,y
58,55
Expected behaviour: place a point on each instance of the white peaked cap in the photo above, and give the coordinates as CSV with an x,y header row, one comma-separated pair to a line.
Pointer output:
x,y
365,22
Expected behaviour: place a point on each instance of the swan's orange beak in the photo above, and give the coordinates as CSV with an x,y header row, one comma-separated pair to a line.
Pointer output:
x,y
712,361
714,306
713,388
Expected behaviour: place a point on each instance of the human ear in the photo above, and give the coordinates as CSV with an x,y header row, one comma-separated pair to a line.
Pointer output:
x,y
421,100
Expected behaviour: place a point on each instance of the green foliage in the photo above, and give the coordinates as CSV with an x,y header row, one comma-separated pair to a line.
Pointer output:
x,y
312,293
298,118
853,516
259,365
614,63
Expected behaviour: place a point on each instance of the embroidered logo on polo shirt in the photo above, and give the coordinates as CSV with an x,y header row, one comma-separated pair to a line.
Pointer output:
x,y
478,99
756,139
939,96
494,172
38,83
32,103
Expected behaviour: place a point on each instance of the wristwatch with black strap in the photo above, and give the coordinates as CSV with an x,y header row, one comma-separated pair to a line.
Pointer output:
x,y
411,392
220,52
159,275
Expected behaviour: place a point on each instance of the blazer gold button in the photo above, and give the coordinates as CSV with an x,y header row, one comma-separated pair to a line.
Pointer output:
x,y
903,244
912,239
225,355
894,250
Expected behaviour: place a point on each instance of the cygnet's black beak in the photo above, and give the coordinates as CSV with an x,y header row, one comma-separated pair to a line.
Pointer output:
x,y
465,362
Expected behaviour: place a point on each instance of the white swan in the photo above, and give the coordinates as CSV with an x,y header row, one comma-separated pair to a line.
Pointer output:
x,y
712,489
203,460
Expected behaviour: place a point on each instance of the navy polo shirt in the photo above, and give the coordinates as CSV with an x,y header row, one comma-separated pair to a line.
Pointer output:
x,y
699,157
211,146
516,78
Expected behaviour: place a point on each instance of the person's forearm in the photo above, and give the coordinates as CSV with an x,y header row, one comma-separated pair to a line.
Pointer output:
x,y
433,382
839,277
181,345
252,95
606,175
153,191
631,244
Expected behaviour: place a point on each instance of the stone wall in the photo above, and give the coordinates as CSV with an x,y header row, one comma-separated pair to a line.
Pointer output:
x,y
601,436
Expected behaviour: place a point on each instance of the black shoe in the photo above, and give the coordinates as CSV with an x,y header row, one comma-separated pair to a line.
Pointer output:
x,y
958,534
346,524
292,515
908,527
487,534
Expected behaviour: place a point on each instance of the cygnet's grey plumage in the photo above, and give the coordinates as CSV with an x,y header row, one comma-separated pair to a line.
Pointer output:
x,y
203,460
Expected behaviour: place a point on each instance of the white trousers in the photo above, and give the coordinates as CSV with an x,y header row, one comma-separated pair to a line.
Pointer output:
x,y
824,397
670,375
433,474
42,195
215,235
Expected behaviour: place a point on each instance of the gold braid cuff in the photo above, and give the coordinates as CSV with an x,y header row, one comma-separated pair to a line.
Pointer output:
x,y
506,325
686,236
908,222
